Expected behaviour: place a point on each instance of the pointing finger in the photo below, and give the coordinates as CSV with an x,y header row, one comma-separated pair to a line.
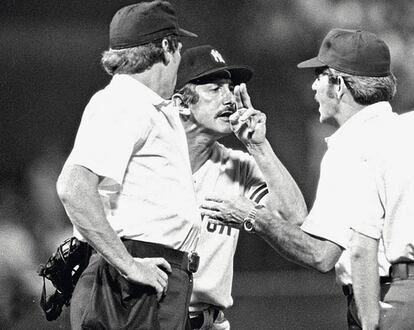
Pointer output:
x,y
244,96
238,97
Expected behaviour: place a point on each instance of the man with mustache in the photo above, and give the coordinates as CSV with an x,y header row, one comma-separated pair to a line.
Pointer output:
x,y
206,102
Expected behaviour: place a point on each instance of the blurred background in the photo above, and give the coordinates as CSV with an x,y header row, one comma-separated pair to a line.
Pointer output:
x,y
50,67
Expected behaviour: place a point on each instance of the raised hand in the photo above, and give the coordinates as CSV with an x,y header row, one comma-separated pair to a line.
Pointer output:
x,y
247,123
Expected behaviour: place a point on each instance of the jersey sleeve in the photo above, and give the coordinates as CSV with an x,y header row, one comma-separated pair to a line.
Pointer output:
x,y
256,188
107,135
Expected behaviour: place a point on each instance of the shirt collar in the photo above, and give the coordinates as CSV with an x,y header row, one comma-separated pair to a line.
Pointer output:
x,y
138,88
357,122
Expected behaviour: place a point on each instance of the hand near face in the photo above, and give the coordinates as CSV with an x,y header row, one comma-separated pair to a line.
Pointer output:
x,y
247,123
231,212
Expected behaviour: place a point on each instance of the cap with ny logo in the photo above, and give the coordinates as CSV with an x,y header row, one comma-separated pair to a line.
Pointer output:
x,y
201,64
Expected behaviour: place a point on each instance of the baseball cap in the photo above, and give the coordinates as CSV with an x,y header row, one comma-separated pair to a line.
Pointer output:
x,y
354,52
202,63
143,22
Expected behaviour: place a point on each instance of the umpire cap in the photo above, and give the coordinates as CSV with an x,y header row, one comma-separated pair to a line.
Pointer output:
x,y
354,52
200,64
143,22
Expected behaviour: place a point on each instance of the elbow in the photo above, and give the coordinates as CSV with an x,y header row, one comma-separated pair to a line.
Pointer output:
x,y
322,263
64,188
323,267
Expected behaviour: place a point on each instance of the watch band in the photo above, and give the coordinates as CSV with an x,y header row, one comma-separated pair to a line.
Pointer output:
x,y
250,220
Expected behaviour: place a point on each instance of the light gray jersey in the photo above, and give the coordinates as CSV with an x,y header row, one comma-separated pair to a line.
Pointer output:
x,y
228,173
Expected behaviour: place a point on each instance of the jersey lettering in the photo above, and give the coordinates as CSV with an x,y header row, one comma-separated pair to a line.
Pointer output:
x,y
212,227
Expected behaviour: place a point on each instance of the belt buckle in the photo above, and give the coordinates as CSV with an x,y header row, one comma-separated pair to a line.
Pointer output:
x,y
193,262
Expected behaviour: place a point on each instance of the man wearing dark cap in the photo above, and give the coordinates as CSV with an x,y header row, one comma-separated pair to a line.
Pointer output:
x,y
207,107
353,87
119,185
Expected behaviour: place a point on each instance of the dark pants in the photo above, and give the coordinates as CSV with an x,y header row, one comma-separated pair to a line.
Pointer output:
x,y
103,299
397,311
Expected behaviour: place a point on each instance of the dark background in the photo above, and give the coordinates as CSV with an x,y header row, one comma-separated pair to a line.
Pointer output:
x,y
50,67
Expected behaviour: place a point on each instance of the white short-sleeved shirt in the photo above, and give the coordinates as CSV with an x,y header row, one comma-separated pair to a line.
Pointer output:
x,y
391,166
229,173
345,195
134,139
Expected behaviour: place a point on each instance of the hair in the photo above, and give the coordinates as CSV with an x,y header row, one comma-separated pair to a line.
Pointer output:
x,y
189,94
367,90
137,59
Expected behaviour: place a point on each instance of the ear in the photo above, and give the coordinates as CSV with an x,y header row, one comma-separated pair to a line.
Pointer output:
x,y
166,48
178,103
340,88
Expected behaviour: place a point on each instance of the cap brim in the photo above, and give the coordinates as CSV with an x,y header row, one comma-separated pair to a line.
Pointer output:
x,y
185,33
312,63
212,76
239,74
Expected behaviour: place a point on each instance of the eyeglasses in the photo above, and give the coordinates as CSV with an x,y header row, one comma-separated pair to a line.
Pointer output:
x,y
333,78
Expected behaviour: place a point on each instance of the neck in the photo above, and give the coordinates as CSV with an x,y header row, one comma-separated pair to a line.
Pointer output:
x,y
348,109
154,78
348,114
200,146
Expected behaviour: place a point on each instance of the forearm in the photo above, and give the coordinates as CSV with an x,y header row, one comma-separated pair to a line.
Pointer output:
x,y
81,200
294,244
365,279
285,196
91,223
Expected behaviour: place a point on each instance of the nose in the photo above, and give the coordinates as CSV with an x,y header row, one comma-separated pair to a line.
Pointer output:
x,y
229,97
315,85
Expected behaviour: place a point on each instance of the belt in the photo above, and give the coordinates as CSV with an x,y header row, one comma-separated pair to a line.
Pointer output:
x,y
402,270
179,259
347,289
197,321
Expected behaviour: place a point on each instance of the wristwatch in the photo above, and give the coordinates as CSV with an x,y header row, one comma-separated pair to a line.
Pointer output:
x,y
249,221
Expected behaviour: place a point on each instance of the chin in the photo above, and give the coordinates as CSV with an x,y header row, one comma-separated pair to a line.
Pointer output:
x,y
323,114
223,131
226,129
322,119
329,121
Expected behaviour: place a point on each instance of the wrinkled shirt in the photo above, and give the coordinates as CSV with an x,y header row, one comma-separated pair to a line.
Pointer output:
x,y
345,194
134,139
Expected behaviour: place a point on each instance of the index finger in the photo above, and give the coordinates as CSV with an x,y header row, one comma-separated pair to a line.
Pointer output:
x,y
244,96
236,92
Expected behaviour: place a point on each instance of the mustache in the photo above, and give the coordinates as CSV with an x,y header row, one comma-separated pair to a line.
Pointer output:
x,y
230,108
